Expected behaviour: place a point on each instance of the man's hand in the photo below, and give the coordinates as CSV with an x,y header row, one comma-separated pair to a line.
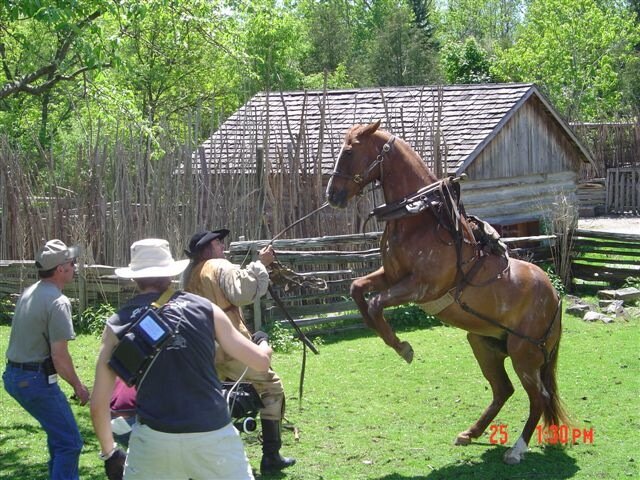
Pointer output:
x,y
81,392
114,465
267,255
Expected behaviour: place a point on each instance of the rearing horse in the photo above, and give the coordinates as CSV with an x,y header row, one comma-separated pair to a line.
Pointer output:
x,y
430,257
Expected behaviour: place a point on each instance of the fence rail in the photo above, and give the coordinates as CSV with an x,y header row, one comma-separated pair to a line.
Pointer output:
x,y
604,258
599,258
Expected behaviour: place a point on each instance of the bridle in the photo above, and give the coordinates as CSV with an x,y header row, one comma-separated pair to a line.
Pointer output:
x,y
358,178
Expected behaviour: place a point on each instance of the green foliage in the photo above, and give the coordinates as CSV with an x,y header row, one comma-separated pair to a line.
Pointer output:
x,y
632,282
399,52
556,281
281,338
576,50
48,48
93,319
273,43
339,78
410,316
7,307
466,62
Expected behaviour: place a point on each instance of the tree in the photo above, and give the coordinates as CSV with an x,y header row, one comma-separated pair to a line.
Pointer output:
x,y
47,47
488,21
329,28
271,37
399,52
170,55
577,51
466,62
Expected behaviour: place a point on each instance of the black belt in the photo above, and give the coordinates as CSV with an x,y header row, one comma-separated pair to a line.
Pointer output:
x,y
32,366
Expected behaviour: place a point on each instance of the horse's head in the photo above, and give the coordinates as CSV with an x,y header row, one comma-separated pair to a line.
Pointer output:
x,y
355,166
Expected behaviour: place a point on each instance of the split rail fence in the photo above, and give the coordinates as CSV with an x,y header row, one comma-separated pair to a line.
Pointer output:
x,y
600,259
604,259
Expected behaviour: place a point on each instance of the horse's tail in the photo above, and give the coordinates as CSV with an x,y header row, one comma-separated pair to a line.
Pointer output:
x,y
554,412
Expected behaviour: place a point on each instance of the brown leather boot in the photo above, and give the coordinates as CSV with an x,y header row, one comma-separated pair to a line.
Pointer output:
x,y
272,461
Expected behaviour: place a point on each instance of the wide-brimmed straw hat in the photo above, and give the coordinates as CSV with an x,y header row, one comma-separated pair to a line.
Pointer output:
x,y
151,258
200,239
55,253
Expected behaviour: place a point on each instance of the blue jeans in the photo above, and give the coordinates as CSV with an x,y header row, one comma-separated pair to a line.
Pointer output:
x,y
48,405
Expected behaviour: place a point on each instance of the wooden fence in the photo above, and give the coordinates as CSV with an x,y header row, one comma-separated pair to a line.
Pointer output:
x,y
623,190
338,260
600,259
604,259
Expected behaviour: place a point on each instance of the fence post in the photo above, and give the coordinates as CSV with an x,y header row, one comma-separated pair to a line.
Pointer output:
x,y
82,285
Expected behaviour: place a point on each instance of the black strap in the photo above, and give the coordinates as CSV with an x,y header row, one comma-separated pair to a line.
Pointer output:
x,y
303,338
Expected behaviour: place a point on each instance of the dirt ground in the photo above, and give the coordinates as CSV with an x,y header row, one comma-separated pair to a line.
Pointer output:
x,y
626,224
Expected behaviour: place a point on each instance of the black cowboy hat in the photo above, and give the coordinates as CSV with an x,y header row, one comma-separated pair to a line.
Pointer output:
x,y
200,239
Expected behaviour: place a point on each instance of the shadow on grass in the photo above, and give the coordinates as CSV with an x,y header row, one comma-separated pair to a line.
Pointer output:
x,y
15,465
11,463
551,464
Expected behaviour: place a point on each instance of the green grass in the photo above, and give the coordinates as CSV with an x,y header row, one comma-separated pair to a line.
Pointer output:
x,y
365,414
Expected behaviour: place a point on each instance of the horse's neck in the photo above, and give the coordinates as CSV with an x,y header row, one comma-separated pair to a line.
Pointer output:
x,y
404,173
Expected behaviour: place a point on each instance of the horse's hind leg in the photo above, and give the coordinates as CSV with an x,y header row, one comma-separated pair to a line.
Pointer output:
x,y
490,354
527,360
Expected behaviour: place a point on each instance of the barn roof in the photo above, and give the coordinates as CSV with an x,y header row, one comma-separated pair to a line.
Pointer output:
x,y
289,125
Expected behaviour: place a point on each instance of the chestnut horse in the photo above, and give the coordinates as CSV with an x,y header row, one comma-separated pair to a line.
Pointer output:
x,y
431,257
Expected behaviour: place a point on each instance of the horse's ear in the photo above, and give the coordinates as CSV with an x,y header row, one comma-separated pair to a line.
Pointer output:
x,y
369,129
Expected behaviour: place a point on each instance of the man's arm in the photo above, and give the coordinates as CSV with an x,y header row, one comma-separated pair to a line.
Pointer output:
x,y
102,389
243,286
235,344
64,366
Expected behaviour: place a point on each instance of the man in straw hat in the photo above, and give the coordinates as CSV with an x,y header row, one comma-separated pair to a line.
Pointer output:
x,y
229,286
38,352
183,427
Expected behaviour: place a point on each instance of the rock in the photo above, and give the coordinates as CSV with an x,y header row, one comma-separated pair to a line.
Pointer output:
x,y
615,308
578,309
595,316
625,294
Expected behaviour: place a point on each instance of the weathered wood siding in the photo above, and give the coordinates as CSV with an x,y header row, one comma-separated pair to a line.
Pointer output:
x,y
530,142
523,170
505,201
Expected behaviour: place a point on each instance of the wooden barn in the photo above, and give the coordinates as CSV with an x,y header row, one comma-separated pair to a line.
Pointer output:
x,y
521,158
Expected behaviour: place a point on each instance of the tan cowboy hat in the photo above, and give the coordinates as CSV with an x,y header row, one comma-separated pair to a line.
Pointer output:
x,y
150,258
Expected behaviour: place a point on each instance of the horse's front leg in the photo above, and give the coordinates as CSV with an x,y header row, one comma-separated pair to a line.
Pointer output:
x,y
374,282
397,294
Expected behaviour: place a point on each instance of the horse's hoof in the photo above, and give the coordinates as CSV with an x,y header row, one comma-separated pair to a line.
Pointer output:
x,y
515,454
406,351
462,439
512,457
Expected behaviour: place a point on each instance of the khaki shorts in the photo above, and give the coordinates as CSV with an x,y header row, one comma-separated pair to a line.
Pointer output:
x,y
203,456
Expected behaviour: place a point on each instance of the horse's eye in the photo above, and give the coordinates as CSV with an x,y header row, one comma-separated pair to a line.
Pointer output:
x,y
347,152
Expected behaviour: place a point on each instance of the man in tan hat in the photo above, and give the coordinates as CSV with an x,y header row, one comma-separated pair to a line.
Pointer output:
x,y
38,352
183,427
229,286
